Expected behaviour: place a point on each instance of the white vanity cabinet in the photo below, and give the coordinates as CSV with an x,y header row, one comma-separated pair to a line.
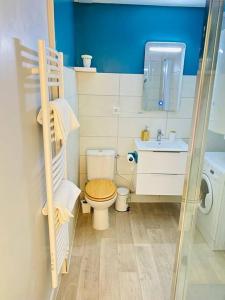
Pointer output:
x,y
160,172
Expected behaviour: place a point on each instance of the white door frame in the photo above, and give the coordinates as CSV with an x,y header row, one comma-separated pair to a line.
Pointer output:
x,y
51,23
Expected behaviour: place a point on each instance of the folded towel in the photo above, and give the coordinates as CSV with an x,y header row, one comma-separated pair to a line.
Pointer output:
x,y
64,119
64,200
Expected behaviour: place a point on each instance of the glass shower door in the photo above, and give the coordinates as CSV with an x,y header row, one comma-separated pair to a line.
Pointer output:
x,y
191,278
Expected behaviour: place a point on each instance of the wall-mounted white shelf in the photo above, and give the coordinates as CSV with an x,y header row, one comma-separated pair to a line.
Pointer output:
x,y
88,70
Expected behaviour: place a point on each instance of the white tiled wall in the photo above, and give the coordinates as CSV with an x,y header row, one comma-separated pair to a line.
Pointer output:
x,y
71,96
73,139
101,126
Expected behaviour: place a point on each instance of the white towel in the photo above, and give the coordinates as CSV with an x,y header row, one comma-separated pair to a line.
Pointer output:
x,y
64,201
64,119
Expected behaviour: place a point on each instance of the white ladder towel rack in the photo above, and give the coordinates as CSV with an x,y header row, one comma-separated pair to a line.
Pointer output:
x,y
50,71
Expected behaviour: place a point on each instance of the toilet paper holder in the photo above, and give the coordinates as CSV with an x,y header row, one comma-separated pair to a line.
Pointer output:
x,y
132,157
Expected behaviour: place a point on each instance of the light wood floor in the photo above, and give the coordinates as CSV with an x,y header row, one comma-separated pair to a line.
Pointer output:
x,y
206,266
133,260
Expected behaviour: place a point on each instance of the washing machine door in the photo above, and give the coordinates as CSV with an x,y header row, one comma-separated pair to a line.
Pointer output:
x,y
206,195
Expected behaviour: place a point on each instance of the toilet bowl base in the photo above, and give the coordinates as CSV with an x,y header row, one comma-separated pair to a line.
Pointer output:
x,y
101,219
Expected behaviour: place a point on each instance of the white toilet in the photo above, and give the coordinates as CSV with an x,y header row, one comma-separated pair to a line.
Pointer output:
x,y
100,190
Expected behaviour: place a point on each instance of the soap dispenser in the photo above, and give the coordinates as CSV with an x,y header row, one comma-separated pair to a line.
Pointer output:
x,y
145,135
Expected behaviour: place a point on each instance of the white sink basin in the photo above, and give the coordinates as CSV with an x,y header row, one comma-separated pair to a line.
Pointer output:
x,y
164,145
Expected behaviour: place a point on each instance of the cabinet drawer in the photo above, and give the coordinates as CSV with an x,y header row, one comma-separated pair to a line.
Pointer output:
x,y
161,162
159,184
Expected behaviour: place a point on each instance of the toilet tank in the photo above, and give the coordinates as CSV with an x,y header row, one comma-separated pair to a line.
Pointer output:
x,y
100,164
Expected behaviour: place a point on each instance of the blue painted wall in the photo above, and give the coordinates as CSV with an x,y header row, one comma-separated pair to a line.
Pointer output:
x,y
65,30
116,34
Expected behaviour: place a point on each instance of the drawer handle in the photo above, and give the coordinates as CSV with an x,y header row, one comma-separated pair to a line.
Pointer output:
x,y
166,151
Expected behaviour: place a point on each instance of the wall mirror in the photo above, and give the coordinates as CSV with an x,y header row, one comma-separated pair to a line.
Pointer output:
x,y
163,72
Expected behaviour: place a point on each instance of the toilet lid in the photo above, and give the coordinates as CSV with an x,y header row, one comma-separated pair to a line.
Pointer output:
x,y
100,188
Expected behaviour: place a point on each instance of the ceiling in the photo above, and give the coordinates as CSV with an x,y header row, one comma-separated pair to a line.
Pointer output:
x,y
190,3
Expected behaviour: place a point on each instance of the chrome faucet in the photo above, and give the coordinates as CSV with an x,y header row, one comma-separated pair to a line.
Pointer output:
x,y
159,135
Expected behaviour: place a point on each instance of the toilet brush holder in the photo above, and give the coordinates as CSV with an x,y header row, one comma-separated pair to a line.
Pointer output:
x,y
86,208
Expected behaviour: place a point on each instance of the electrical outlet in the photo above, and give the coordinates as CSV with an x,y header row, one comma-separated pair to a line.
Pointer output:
x,y
116,110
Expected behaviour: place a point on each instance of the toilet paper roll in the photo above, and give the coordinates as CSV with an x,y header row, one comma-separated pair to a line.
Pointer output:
x,y
132,157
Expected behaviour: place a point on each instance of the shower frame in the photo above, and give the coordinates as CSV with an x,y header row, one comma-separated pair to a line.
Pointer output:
x,y
200,121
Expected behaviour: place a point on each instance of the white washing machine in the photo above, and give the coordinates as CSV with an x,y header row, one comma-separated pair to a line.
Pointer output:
x,y
211,212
